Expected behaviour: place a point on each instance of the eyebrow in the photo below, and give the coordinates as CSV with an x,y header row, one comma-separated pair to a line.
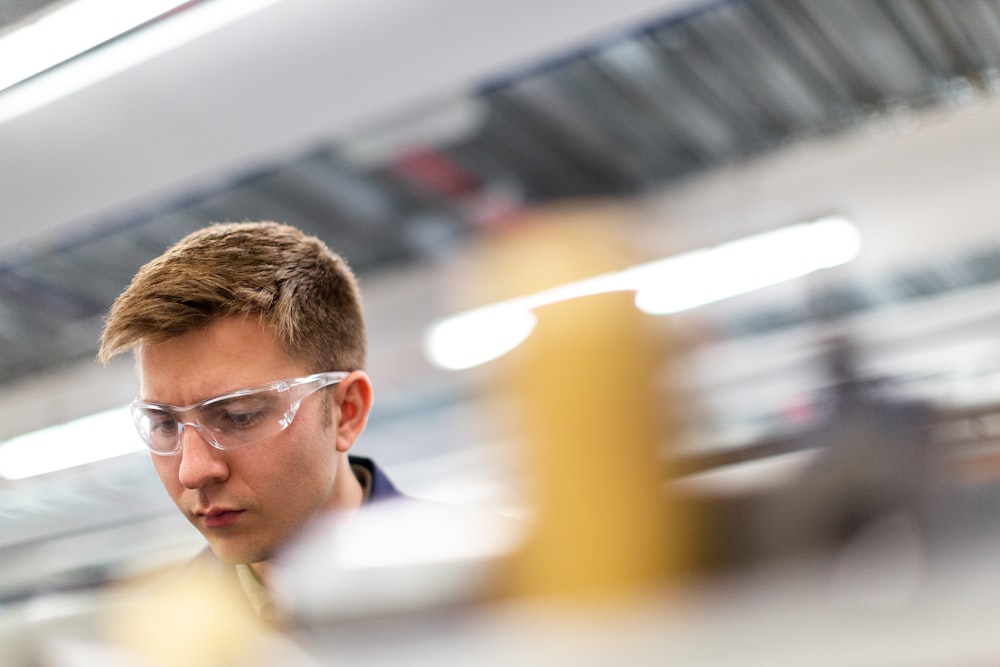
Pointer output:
x,y
225,394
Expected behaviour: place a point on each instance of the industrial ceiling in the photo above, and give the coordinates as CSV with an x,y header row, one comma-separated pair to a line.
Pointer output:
x,y
628,112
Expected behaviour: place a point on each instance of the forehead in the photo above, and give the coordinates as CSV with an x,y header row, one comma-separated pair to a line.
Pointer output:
x,y
228,354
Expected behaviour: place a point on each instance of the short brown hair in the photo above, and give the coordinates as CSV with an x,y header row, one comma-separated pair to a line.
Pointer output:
x,y
297,285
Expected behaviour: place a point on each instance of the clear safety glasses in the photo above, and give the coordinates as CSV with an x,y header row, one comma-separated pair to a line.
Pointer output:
x,y
231,421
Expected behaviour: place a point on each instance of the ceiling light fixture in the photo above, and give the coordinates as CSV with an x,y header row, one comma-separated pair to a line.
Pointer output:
x,y
68,31
96,437
51,45
662,287
742,266
474,337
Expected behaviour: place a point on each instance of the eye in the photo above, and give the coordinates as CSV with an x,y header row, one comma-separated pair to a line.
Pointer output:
x,y
239,414
161,423
230,420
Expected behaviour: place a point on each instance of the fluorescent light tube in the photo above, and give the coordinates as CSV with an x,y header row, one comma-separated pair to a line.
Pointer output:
x,y
99,436
127,52
70,30
705,276
662,287
477,336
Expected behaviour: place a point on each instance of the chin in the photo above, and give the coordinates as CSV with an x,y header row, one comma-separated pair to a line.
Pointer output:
x,y
237,556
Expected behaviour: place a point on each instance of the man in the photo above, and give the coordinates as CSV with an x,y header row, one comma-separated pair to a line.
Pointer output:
x,y
250,349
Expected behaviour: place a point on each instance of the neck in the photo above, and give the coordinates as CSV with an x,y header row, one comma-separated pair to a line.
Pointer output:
x,y
348,492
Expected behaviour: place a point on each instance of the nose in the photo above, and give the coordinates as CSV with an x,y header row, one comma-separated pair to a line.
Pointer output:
x,y
201,464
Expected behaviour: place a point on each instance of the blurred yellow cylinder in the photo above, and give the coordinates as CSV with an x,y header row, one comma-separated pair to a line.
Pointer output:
x,y
593,421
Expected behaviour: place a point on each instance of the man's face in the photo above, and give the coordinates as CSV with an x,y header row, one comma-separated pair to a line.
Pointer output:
x,y
246,502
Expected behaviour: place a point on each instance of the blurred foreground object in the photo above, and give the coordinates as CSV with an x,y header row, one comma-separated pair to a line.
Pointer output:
x,y
197,619
593,424
392,557
187,616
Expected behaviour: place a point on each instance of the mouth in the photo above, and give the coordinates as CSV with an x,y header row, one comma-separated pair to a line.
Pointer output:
x,y
219,518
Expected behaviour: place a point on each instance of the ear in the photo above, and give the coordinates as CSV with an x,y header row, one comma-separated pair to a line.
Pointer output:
x,y
353,400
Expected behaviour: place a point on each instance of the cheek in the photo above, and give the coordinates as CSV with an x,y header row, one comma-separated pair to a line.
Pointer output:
x,y
294,458
307,456
312,435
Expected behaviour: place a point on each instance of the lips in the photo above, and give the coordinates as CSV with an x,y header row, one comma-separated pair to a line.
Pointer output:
x,y
219,518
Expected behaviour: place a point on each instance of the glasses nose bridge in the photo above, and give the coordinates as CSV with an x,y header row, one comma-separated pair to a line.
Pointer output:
x,y
195,423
